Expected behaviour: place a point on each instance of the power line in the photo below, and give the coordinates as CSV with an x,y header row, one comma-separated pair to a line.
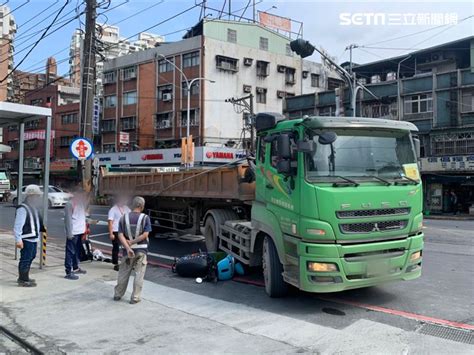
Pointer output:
x,y
37,42
416,33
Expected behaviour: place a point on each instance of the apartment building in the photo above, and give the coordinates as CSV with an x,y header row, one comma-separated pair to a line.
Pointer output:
x,y
435,91
7,36
109,45
145,93
64,102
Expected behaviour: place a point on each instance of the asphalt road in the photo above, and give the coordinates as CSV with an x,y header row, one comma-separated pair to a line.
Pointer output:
x,y
444,292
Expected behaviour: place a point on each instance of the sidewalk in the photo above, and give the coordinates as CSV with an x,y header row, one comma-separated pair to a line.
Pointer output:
x,y
62,316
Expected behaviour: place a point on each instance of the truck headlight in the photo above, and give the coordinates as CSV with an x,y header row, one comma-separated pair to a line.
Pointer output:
x,y
322,267
415,256
312,231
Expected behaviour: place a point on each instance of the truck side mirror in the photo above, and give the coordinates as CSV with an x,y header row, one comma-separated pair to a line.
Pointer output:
x,y
284,167
416,143
326,138
283,146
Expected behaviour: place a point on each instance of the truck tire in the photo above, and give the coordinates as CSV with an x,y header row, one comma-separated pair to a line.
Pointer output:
x,y
15,202
212,241
275,285
214,219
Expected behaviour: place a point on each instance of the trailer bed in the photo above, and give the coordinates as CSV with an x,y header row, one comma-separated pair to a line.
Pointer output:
x,y
213,183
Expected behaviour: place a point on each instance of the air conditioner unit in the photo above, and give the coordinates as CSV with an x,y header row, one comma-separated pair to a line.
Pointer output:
x,y
165,124
167,97
280,94
248,61
247,88
260,90
281,68
436,57
305,74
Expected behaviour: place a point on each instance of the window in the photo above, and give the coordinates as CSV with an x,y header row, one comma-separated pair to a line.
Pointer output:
x,y
231,35
315,80
191,59
129,98
108,125
164,66
110,101
164,89
227,63
261,96
13,144
32,124
467,103
418,103
288,50
129,73
110,77
453,143
12,128
164,120
290,76
263,44
127,123
65,141
36,102
108,148
263,68
69,118
193,120
31,145
334,83
194,88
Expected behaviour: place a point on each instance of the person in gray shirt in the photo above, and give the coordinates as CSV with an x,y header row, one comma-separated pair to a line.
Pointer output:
x,y
134,228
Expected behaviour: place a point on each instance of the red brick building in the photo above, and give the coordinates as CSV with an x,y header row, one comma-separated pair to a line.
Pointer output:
x,y
64,102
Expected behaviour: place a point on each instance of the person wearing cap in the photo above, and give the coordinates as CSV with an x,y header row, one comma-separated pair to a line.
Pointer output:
x,y
27,230
134,228
115,213
75,213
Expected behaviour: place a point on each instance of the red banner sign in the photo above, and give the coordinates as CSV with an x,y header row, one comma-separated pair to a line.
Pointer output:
x,y
273,21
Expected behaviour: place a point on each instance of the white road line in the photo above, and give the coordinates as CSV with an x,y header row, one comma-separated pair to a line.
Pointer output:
x,y
98,235
161,256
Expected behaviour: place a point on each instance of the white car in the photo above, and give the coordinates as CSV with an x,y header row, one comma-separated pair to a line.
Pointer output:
x,y
56,196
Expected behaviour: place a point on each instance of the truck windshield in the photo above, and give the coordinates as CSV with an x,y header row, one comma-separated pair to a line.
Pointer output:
x,y
360,154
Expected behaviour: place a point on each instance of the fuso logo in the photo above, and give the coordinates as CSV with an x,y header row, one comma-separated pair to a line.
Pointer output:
x,y
220,155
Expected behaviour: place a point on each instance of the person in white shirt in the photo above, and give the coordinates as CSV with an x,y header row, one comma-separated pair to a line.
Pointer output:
x,y
115,213
75,225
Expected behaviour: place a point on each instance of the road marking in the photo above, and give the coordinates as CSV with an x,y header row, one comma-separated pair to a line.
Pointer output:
x,y
409,315
162,256
98,235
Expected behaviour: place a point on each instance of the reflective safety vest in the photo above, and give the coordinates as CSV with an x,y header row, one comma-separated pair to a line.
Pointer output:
x,y
33,219
139,227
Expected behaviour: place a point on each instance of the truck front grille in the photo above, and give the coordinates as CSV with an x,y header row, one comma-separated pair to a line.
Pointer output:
x,y
370,227
382,212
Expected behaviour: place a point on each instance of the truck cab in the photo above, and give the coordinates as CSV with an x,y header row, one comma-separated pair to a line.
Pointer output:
x,y
338,203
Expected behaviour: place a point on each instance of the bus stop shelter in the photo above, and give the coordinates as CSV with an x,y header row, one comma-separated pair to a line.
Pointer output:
x,y
17,114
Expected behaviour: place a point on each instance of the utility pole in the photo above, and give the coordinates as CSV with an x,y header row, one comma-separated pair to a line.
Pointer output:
x,y
350,48
246,104
88,87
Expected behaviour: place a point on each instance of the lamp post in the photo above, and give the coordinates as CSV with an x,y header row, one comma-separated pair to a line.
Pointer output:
x,y
189,84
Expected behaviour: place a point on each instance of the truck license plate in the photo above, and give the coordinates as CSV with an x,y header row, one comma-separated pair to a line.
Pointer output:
x,y
377,268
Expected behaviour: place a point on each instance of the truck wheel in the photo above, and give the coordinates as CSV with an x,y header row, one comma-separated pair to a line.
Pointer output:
x,y
275,286
212,242
15,201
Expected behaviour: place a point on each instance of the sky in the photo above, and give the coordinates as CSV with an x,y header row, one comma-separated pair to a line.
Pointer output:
x,y
375,26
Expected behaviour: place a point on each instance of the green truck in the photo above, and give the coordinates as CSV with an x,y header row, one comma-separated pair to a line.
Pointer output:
x,y
329,203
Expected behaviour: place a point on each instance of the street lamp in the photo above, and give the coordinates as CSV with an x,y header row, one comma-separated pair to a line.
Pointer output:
x,y
189,84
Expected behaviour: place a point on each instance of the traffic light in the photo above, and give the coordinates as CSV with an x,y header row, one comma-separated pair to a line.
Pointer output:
x,y
301,47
